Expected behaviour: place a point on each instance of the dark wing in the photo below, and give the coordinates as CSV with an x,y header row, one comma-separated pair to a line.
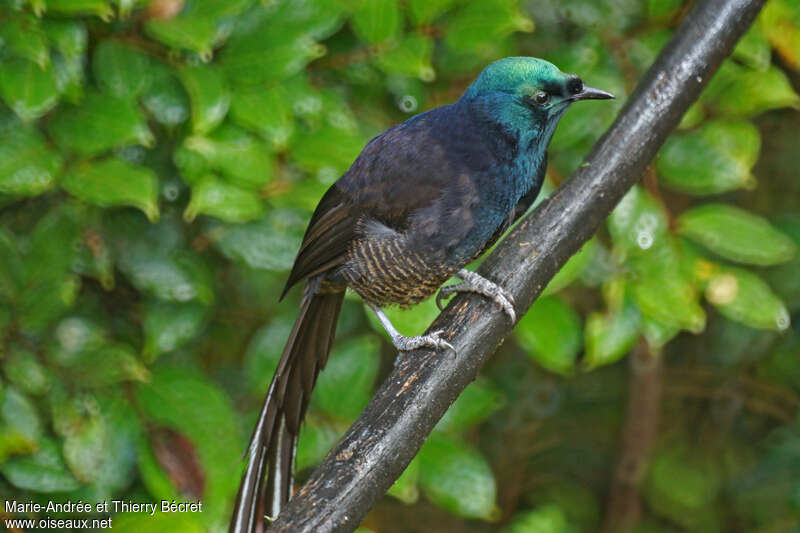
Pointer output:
x,y
404,169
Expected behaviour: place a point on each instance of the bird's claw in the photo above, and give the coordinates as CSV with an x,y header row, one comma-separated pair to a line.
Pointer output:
x,y
432,340
478,284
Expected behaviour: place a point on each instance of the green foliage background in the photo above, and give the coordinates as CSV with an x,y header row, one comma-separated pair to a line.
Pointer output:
x,y
159,161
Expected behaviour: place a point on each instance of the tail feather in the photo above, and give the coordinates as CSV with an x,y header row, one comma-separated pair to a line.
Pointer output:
x,y
274,442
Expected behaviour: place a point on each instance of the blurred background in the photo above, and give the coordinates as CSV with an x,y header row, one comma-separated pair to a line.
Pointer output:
x,y
159,162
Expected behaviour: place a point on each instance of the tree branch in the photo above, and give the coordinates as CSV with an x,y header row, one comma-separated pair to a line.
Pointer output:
x,y
392,428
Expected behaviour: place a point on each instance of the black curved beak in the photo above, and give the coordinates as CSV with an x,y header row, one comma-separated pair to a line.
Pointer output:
x,y
590,93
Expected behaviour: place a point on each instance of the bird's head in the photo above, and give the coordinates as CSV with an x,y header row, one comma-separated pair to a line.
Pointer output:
x,y
525,91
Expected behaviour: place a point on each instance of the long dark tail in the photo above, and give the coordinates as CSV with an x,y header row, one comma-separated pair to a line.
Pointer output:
x,y
274,439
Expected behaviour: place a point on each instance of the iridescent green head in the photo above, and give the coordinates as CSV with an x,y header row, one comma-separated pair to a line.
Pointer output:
x,y
532,83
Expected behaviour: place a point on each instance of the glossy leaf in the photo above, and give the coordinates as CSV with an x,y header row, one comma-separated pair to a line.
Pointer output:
x,y
637,224
544,519
267,112
198,410
457,478
119,69
752,92
23,35
610,336
345,387
476,403
23,369
316,440
169,325
377,20
27,165
550,333
411,57
43,471
573,268
780,22
113,182
744,297
736,234
425,11
27,88
270,243
483,21
227,202
99,8
169,277
716,158
99,124
19,414
208,95
108,365
754,49
241,158
69,37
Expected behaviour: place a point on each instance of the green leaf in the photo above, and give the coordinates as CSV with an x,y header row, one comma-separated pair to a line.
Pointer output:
x,y
20,415
425,11
114,182
411,57
573,268
780,22
457,478
23,35
752,92
28,89
753,49
208,95
267,112
241,158
68,37
610,336
344,389
406,487
736,234
173,277
480,22
196,33
43,471
74,335
715,158
227,202
377,20
268,48
545,519
169,325
144,523
23,369
270,243
315,441
100,123
681,482
638,224
550,333
69,77
264,351
120,70
327,152
165,98
108,365
744,297
475,404
27,166
199,410
99,8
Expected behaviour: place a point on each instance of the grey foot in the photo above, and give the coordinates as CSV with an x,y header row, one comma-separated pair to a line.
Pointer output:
x,y
432,340
478,284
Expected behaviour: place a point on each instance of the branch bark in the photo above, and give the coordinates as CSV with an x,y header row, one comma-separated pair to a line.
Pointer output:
x,y
392,428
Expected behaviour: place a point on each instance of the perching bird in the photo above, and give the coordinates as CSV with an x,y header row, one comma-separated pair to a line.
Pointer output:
x,y
421,201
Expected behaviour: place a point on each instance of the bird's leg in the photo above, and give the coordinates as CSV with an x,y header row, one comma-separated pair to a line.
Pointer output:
x,y
473,282
406,344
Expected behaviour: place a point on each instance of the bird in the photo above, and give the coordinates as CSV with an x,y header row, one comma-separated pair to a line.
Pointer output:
x,y
421,201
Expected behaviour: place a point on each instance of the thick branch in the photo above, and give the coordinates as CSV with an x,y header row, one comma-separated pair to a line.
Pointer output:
x,y
390,431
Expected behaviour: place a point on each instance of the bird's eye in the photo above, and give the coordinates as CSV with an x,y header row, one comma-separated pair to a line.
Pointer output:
x,y
541,98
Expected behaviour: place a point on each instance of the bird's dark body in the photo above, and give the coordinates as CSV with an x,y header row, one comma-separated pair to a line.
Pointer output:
x,y
421,201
